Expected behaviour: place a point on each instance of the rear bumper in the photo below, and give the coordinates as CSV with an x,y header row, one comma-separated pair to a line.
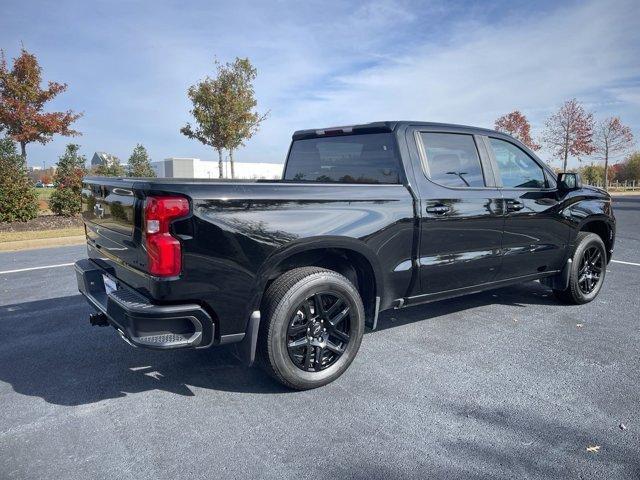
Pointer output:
x,y
139,321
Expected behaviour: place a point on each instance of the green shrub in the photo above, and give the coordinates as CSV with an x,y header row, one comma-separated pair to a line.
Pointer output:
x,y
18,200
68,181
631,169
65,201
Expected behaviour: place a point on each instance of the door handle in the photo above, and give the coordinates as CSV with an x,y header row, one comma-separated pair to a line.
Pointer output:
x,y
514,205
438,209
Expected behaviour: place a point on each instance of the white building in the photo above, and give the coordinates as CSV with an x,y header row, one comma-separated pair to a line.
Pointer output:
x,y
176,167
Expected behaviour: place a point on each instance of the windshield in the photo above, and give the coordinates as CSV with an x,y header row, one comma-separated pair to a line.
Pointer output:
x,y
366,158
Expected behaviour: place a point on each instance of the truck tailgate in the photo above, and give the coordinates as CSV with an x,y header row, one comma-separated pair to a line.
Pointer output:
x,y
109,207
110,211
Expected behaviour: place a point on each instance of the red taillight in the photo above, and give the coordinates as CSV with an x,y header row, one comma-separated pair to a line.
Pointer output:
x,y
164,253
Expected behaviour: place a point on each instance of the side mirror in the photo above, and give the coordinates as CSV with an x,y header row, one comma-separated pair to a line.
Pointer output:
x,y
568,181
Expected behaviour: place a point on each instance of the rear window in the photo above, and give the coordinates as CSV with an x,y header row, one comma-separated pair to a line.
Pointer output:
x,y
367,158
452,160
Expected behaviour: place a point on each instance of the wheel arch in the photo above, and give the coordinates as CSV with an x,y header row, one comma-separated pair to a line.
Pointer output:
x,y
602,227
349,257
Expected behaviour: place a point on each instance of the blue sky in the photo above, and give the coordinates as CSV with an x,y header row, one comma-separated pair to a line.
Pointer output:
x,y
129,64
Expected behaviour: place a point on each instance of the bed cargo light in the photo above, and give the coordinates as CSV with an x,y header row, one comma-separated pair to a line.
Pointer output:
x,y
164,252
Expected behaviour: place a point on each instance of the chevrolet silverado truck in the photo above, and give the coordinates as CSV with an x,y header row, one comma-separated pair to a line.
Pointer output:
x,y
366,218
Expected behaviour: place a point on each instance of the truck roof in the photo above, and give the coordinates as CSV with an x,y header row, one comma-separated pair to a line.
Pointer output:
x,y
384,126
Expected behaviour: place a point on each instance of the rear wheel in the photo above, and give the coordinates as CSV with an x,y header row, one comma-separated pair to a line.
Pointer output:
x,y
588,269
313,327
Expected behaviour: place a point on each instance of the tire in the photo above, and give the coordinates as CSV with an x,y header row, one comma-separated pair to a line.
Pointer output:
x,y
586,244
287,349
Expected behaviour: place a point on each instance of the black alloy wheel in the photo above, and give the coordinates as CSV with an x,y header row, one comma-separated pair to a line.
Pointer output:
x,y
590,270
587,270
319,331
312,328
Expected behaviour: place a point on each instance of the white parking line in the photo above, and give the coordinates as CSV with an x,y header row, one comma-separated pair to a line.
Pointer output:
x,y
626,263
37,268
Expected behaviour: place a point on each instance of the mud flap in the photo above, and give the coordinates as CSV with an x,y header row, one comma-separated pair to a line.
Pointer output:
x,y
561,280
372,322
246,349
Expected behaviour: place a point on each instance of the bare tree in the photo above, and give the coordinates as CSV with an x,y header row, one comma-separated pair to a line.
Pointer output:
x,y
611,138
569,131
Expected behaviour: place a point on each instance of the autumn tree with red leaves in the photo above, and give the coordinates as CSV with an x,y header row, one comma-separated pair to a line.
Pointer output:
x,y
569,131
611,138
22,101
516,125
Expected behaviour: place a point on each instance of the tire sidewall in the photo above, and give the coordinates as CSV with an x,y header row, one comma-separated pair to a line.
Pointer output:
x,y
284,311
579,295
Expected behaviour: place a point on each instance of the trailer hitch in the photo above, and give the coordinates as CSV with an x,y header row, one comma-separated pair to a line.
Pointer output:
x,y
98,319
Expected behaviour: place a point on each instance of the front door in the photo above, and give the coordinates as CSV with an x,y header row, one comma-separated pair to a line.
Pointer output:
x,y
535,232
461,212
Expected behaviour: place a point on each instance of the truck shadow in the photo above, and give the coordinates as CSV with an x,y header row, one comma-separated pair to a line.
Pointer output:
x,y
521,295
50,351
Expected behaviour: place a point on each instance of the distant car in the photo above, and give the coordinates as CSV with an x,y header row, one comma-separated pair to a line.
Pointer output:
x,y
39,185
367,218
49,185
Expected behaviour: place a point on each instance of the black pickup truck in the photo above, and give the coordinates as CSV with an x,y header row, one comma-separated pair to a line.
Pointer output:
x,y
366,218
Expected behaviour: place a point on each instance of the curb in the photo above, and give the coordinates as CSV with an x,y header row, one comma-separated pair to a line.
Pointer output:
x,y
625,193
41,243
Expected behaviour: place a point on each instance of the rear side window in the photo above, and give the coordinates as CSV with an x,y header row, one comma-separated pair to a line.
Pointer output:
x,y
517,169
452,159
367,158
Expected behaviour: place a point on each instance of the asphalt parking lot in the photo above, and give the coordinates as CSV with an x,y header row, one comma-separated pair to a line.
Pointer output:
x,y
503,384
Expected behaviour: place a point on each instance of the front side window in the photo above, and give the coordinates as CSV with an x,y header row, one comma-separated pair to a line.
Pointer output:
x,y
364,158
517,169
452,159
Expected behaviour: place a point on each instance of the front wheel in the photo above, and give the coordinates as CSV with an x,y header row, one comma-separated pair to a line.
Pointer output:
x,y
588,269
313,327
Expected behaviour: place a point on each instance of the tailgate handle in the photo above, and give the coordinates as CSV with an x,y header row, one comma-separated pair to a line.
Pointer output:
x,y
514,205
438,209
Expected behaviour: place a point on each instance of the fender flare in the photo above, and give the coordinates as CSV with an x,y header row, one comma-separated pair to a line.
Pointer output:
x,y
271,263
599,217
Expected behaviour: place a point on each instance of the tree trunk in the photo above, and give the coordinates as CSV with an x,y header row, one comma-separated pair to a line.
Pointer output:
x,y
231,162
23,150
220,164
566,149
606,169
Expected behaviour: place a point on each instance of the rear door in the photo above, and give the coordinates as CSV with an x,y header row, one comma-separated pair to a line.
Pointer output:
x,y
460,211
535,232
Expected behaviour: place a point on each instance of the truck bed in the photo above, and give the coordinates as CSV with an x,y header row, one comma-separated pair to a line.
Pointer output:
x,y
237,230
